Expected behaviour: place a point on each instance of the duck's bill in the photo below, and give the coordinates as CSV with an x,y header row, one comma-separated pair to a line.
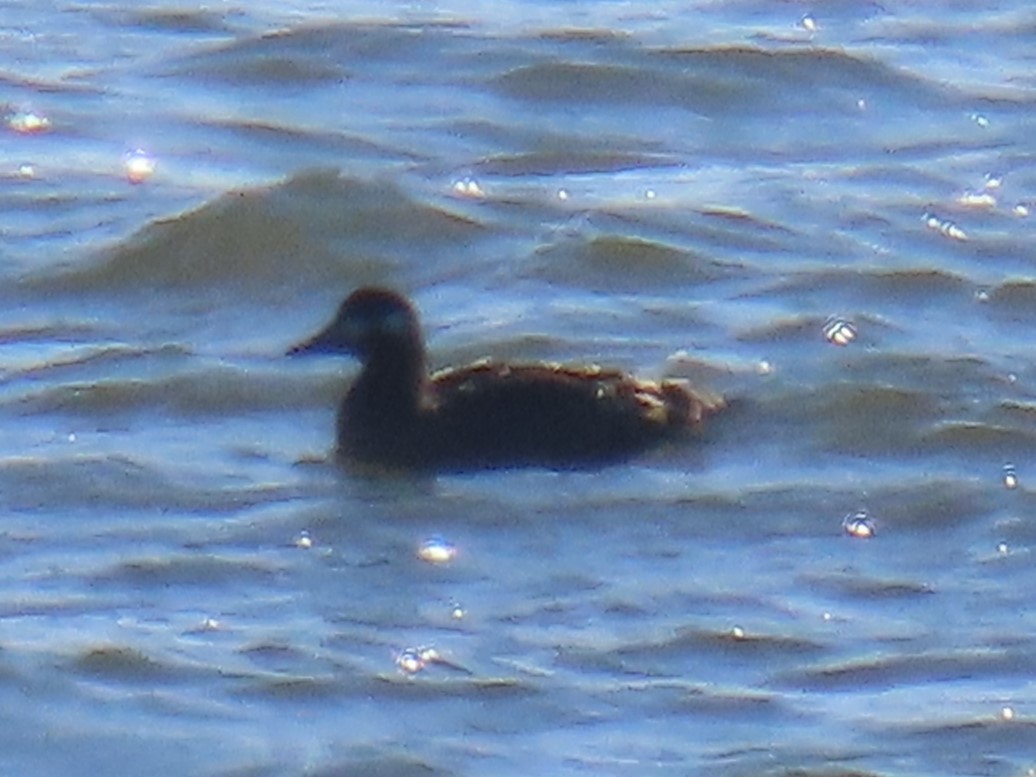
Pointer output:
x,y
322,342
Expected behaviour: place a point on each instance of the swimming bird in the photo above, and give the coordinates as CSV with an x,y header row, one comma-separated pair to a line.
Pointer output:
x,y
397,416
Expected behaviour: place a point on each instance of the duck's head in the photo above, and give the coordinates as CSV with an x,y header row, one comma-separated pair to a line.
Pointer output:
x,y
372,322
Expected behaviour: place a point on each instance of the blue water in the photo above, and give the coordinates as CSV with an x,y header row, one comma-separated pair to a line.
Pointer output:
x,y
190,585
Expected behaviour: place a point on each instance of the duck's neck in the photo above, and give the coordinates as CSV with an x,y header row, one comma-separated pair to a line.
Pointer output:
x,y
390,388
394,380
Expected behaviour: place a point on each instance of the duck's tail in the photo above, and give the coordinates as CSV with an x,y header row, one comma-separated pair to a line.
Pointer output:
x,y
690,405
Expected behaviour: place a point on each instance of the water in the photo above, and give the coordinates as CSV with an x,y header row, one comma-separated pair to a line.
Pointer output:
x,y
717,191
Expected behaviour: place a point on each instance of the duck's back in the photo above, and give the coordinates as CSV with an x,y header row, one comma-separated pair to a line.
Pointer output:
x,y
503,415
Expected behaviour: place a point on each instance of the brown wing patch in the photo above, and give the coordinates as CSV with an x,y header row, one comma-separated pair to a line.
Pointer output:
x,y
486,369
665,403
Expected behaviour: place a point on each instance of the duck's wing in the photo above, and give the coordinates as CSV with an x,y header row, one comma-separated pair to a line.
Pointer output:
x,y
555,413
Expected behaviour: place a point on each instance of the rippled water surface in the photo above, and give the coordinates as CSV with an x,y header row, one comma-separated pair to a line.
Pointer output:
x,y
823,213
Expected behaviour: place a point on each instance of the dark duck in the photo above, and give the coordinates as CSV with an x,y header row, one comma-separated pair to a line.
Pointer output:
x,y
397,416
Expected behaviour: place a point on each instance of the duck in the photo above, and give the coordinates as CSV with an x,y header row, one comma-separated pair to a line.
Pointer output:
x,y
487,415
